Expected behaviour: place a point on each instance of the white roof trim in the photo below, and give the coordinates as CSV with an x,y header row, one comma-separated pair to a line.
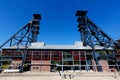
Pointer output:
x,y
41,45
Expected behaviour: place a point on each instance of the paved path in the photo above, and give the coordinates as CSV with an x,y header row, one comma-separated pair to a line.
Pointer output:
x,y
60,76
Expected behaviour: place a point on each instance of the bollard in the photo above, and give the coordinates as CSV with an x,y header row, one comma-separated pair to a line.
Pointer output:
x,y
65,76
115,73
70,76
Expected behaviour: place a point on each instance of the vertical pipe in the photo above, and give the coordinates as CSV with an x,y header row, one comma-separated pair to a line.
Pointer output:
x,y
73,61
79,62
50,60
87,66
62,60
99,68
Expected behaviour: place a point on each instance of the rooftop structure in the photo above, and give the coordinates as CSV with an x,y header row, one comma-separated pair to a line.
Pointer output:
x,y
41,45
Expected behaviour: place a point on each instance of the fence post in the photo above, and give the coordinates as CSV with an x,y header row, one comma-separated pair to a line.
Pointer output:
x,y
115,73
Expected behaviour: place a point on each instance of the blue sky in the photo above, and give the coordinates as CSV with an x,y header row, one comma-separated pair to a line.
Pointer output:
x,y
58,24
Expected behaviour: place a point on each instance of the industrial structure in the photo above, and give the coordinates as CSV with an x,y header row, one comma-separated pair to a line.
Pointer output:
x,y
92,35
25,36
97,51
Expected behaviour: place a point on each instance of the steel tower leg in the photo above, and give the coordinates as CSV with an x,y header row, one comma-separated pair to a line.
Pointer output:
x,y
25,36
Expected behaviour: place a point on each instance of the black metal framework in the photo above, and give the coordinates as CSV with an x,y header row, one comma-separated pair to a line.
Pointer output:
x,y
92,35
25,36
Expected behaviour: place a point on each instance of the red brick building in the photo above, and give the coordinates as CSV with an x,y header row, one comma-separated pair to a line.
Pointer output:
x,y
41,57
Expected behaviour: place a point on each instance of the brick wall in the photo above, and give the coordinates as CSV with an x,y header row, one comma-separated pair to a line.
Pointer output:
x,y
103,63
40,66
105,66
15,64
94,67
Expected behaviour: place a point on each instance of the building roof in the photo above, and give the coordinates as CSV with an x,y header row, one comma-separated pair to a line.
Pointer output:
x,y
41,45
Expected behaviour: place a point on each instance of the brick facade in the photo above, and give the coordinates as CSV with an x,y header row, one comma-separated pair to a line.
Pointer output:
x,y
104,64
94,67
15,64
40,66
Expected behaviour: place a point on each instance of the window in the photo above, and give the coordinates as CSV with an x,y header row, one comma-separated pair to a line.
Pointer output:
x,y
67,54
56,62
35,67
82,52
82,55
45,55
56,55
